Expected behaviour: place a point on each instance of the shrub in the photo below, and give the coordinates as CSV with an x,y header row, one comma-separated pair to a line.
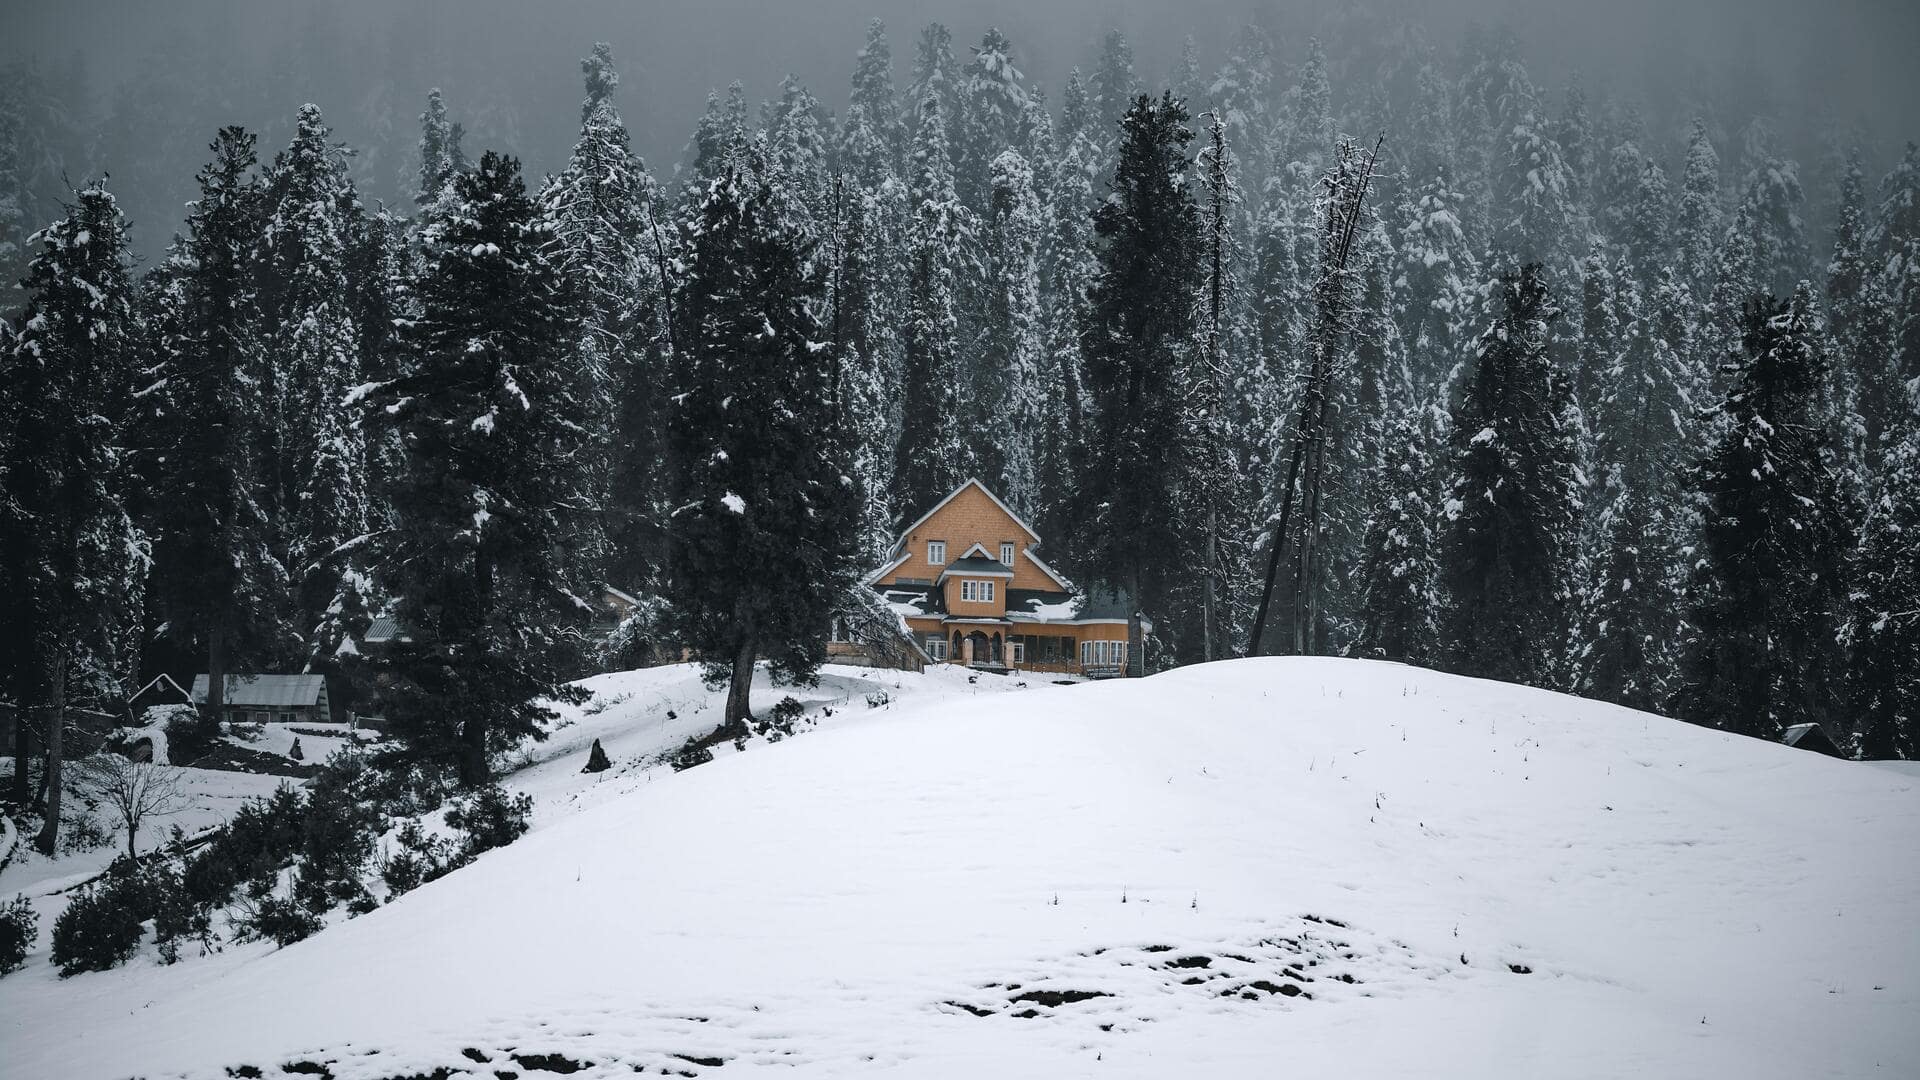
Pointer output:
x,y
422,857
781,719
19,925
100,929
690,754
338,833
281,920
189,734
490,818
253,847
176,917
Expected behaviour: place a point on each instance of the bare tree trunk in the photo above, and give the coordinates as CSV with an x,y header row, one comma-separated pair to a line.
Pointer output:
x,y
473,753
735,722
53,708
22,759
215,706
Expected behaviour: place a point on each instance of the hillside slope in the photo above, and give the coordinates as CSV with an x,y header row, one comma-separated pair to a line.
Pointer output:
x,y
1243,869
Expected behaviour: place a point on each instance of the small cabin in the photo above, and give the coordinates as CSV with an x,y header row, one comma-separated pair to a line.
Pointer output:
x,y
272,699
1812,737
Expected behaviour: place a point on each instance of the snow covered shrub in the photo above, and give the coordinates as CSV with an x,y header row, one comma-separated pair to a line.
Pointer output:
x,y
19,924
338,833
281,920
421,858
490,818
597,759
81,831
189,734
101,927
781,719
691,753
176,917
252,847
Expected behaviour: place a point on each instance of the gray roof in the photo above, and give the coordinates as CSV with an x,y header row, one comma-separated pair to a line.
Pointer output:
x,y
977,564
270,691
383,629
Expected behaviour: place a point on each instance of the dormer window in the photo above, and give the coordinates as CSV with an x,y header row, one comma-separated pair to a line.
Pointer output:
x,y
936,552
1006,554
979,592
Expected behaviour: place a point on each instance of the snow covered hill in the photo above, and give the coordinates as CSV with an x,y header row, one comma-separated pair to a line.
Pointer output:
x,y
1256,868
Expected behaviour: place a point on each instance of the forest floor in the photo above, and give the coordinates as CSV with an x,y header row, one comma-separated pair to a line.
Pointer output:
x,y
1311,867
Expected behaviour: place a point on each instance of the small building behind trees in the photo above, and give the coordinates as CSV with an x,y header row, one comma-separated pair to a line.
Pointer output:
x,y
273,699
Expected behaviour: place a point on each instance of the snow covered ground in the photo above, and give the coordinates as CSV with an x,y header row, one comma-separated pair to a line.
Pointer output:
x,y
1254,868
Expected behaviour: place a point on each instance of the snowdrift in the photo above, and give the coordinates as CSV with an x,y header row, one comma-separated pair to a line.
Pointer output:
x,y
1254,868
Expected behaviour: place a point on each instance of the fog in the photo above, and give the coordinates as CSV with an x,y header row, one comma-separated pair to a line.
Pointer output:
x,y
136,89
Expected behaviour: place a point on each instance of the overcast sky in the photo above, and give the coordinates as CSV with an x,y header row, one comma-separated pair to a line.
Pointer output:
x,y
510,67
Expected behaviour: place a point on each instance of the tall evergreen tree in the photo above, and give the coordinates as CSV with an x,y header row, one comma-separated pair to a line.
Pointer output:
x,y
992,114
492,427
601,211
931,459
1696,223
1005,400
1883,636
1140,327
1512,506
1766,600
219,583
315,452
69,548
765,523
1112,87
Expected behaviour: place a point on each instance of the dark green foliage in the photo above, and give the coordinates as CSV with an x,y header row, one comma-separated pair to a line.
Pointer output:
x,y
766,510
19,924
597,759
1766,602
1507,542
422,858
1141,326
490,818
281,920
491,428
337,834
252,847
100,929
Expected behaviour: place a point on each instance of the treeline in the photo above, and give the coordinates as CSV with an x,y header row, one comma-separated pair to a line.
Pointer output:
x,y
1507,396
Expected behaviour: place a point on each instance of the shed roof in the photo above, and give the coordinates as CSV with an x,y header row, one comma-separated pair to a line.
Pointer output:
x,y
270,691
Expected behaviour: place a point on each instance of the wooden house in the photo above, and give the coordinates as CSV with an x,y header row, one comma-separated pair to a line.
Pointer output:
x,y
275,699
965,580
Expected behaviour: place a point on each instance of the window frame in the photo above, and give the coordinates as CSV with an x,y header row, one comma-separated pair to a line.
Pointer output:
x,y
936,548
976,592
936,646
1007,553
1017,649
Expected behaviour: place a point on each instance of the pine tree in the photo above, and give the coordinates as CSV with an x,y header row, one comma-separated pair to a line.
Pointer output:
x,y
993,112
1141,325
1241,91
1434,286
1005,403
1696,222
798,146
1894,252
761,539
440,156
1765,602
1069,268
316,454
931,458
871,136
1512,505
1772,206
1112,88
1883,636
218,583
1643,428
601,211
69,548
492,427
1398,575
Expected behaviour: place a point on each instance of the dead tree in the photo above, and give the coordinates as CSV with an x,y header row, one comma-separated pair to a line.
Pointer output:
x,y
133,790
1297,530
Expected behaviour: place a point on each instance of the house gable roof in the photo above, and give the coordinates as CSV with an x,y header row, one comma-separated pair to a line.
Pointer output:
x,y
269,691
162,685
976,566
900,544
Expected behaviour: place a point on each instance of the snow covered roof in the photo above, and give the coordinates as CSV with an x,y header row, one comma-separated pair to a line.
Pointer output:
x,y
976,566
900,544
162,687
270,691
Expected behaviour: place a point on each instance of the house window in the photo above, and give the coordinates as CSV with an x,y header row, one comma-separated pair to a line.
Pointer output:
x,y
979,592
1006,555
261,718
937,552
1102,653
1019,651
936,647
286,718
